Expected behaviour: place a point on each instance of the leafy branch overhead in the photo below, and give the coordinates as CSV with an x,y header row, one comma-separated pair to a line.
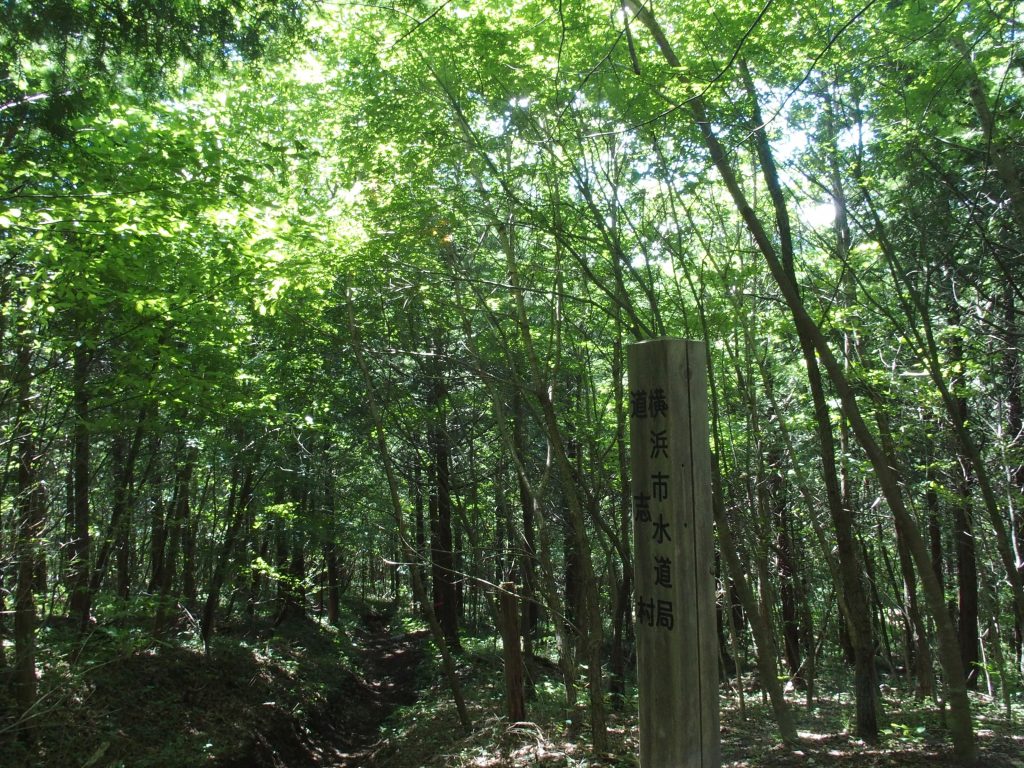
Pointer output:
x,y
305,306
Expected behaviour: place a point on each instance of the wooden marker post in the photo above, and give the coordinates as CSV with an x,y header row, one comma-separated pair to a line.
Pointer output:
x,y
677,650
508,625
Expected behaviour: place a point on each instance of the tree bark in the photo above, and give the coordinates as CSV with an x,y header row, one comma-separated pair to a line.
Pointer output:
x,y
528,554
331,558
80,603
442,540
508,624
239,499
29,507
966,577
765,648
179,516
623,589
123,455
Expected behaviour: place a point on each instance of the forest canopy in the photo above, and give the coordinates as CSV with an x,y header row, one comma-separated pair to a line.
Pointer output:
x,y
304,300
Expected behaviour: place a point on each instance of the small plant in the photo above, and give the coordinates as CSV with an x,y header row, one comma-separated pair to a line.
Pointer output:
x,y
413,624
903,733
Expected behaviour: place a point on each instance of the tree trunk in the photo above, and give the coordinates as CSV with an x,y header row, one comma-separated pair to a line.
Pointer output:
x,y
528,555
238,507
80,603
420,521
333,584
573,596
623,589
29,506
296,599
963,533
508,624
931,498
959,720
765,648
123,455
178,519
966,577
442,539
419,594
442,542
158,535
788,576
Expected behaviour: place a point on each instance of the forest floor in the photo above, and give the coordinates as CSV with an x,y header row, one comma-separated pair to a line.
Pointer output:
x,y
426,734
370,695
288,696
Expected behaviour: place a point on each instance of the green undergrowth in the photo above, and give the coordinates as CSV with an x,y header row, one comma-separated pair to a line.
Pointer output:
x,y
426,734
912,733
117,698
304,694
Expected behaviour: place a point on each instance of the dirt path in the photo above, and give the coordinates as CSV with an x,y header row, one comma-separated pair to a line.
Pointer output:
x,y
390,664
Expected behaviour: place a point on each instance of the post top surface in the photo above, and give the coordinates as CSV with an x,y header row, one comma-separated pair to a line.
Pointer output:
x,y
663,341
660,338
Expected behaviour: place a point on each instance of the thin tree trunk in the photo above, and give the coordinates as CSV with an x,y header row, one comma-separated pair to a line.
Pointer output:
x,y
80,604
966,577
158,535
739,659
621,624
29,506
179,516
447,662
764,644
528,556
238,508
788,577
333,584
959,720
421,520
508,624
442,540
331,557
123,454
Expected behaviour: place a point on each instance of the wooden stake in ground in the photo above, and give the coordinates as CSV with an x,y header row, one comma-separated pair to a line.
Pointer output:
x,y
677,652
508,620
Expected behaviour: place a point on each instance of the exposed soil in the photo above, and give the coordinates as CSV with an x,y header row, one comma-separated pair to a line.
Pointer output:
x,y
345,730
390,666
301,695
298,695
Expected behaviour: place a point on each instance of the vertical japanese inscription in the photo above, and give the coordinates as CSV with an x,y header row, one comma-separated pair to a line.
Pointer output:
x,y
649,411
673,558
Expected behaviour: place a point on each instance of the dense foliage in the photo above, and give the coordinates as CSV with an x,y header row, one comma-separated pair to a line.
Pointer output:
x,y
299,299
